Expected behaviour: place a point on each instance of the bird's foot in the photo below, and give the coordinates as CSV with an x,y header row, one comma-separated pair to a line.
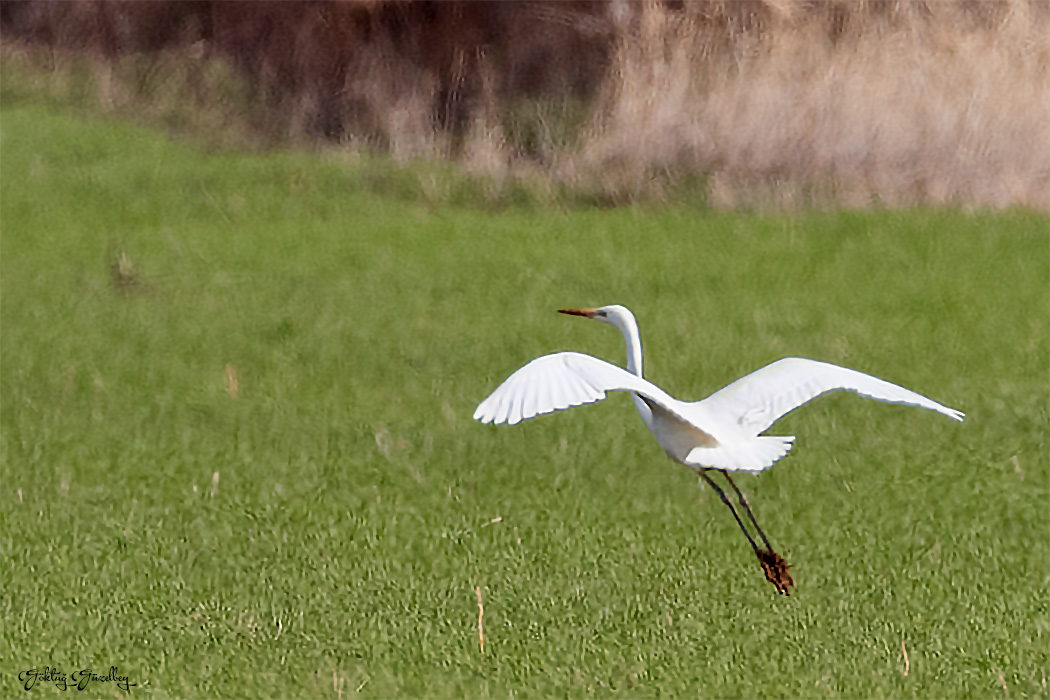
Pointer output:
x,y
776,571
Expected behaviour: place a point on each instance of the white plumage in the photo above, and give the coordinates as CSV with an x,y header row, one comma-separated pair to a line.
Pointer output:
x,y
719,432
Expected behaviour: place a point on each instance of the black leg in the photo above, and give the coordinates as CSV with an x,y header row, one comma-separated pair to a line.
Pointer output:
x,y
777,570
744,503
721,493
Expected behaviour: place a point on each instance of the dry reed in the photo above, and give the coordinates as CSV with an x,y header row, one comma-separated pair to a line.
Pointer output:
x,y
834,104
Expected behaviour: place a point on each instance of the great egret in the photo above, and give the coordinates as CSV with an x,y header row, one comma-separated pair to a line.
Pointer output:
x,y
719,433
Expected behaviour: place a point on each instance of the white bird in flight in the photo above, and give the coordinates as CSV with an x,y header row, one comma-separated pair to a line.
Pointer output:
x,y
721,432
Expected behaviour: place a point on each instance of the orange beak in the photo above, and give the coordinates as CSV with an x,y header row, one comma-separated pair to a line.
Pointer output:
x,y
587,313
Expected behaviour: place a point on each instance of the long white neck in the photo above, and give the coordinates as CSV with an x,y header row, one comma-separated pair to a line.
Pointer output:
x,y
625,321
622,318
633,339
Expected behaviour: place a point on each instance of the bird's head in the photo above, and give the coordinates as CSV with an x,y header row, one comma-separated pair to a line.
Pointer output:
x,y
616,315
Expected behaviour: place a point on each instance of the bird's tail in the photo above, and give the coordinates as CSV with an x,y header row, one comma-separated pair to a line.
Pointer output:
x,y
752,456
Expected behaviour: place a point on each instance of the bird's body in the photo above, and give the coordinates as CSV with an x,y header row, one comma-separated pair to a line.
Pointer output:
x,y
721,432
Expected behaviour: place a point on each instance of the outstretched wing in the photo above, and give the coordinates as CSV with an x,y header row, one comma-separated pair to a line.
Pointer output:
x,y
558,381
758,400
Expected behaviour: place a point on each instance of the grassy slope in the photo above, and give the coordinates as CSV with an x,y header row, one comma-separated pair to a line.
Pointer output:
x,y
351,522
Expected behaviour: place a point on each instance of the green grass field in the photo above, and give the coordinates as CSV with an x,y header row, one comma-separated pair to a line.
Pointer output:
x,y
170,314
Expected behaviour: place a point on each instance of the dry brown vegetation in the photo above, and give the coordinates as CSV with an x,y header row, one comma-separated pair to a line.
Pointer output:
x,y
781,103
